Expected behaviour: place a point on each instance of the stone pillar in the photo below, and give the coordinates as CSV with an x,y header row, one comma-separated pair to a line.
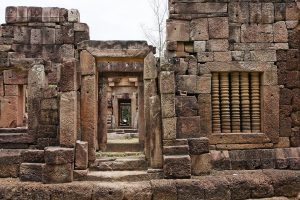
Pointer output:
x,y
89,102
102,113
141,122
156,158
235,102
245,102
255,102
225,103
216,127
115,111
36,81
133,109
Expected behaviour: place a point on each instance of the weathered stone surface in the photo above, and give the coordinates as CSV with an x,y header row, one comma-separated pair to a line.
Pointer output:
x,y
205,56
178,30
9,106
68,118
198,146
21,35
88,113
57,173
280,32
267,13
35,14
222,56
31,172
218,45
175,142
204,102
204,84
81,155
59,155
11,90
194,8
73,15
186,106
239,12
199,46
201,164
291,11
68,77
167,82
11,14
220,160
199,29
188,127
87,63
257,33
150,71
176,150
33,156
186,83
168,105
177,167
169,128
164,190
218,28
263,55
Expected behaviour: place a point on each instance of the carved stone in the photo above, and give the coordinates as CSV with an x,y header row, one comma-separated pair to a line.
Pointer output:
x,y
225,103
216,127
255,102
235,102
245,102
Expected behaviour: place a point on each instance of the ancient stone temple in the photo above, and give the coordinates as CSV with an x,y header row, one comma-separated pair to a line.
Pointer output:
x,y
220,110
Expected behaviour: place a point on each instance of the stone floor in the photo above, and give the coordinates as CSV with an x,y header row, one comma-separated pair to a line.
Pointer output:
x,y
234,185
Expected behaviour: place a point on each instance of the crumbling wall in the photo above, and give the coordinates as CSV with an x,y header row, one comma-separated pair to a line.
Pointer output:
x,y
231,80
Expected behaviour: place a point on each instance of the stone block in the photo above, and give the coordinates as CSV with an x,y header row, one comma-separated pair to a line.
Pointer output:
x,y
81,36
68,77
280,32
187,83
204,102
9,106
36,36
284,142
46,14
218,28
73,15
11,14
293,79
42,143
291,11
201,164
267,13
199,29
81,27
59,155
22,14
257,33
178,30
238,12
186,106
164,190
234,34
200,7
68,118
204,84
55,14
218,45
188,127
169,128
222,56
150,70
31,172
81,155
167,82
198,146
255,12
67,33
279,11
48,35
177,167
21,35
11,90
175,142
220,160
168,105
49,104
199,46
35,14
33,156
57,173
263,55
176,150
205,56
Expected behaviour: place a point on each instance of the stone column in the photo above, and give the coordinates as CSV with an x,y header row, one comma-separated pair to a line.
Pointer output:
x,y
102,113
255,102
245,102
141,122
235,102
133,109
36,81
156,158
216,126
225,103
115,111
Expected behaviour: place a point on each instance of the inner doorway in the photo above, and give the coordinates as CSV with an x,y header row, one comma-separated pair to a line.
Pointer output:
x,y
125,113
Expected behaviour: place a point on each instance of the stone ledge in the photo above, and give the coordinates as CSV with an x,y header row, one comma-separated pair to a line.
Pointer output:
x,y
238,138
224,185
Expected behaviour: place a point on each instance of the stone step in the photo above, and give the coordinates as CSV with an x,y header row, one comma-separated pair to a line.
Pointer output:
x,y
113,136
124,147
10,160
15,138
13,130
119,164
128,176
115,155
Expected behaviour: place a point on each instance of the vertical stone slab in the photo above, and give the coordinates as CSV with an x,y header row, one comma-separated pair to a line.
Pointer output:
x,y
235,102
205,112
102,119
141,122
216,118
88,111
133,110
115,112
156,158
150,70
81,155
36,81
225,103
87,63
68,119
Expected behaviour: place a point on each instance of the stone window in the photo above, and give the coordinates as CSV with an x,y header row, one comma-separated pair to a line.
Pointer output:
x,y
236,102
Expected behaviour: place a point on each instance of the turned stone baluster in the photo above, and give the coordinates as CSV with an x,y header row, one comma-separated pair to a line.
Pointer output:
x,y
255,102
225,103
245,102
216,126
235,102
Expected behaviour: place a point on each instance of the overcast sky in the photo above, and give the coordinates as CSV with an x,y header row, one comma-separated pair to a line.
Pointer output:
x,y
107,19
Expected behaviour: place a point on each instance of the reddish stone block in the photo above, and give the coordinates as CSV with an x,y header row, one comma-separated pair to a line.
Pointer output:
x,y
9,112
48,35
33,156
285,127
178,30
177,166
22,35
285,96
57,173
199,29
279,11
11,14
35,14
186,106
1,85
59,155
81,155
188,127
22,14
293,79
218,28
68,77
31,172
198,146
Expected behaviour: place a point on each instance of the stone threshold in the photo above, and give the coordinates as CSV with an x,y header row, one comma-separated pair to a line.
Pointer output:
x,y
226,186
